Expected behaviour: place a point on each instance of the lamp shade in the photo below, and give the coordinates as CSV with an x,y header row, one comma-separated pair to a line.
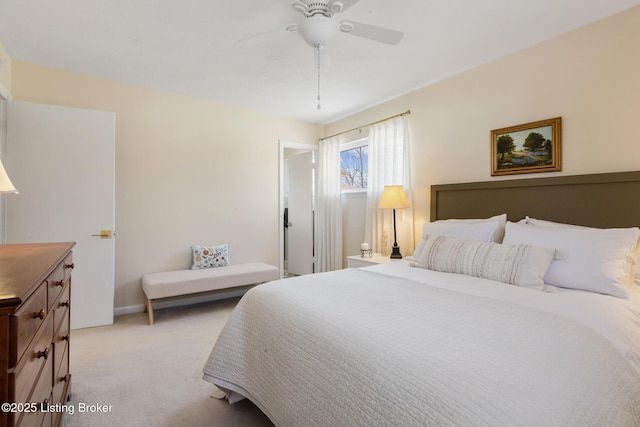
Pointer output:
x,y
5,183
393,197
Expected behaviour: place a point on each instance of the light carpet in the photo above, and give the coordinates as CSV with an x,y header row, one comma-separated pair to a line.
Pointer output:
x,y
143,375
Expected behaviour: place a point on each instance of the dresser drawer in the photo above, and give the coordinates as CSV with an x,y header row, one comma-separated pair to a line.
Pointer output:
x,y
31,364
67,266
61,308
60,278
62,378
55,284
41,396
60,343
28,318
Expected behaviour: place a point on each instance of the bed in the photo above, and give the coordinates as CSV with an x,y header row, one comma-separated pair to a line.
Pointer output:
x,y
507,314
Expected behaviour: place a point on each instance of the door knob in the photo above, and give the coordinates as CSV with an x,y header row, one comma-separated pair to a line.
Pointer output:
x,y
104,234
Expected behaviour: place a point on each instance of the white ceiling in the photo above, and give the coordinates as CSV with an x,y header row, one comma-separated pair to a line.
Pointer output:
x,y
192,46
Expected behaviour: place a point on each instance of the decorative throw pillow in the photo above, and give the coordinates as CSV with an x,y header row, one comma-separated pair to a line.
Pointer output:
x,y
520,265
210,256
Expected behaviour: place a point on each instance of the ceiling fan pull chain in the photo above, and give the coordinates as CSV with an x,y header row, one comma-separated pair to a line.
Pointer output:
x,y
318,51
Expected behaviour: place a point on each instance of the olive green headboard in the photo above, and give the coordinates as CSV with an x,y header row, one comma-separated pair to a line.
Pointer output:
x,y
596,200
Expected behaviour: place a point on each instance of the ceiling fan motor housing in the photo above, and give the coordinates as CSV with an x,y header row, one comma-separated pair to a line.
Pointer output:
x,y
326,8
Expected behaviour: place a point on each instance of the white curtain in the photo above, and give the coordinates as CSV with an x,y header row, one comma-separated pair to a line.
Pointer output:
x,y
328,212
389,165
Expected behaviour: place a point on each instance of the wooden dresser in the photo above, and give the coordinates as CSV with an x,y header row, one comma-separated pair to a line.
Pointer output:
x,y
35,285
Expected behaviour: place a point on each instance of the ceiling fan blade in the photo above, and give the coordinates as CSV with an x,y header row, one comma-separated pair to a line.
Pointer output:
x,y
383,35
341,5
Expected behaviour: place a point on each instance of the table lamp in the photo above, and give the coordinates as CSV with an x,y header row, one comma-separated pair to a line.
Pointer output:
x,y
394,197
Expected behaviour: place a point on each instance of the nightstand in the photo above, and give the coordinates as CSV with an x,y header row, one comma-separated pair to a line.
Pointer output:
x,y
357,261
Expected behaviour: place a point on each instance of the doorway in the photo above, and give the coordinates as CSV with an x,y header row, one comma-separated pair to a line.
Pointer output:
x,y
297,194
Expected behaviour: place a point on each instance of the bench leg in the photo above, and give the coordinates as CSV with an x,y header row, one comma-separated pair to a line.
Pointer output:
x,y
149,308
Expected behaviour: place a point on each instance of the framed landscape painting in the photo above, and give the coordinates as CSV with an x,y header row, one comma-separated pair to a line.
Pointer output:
x,y
527,148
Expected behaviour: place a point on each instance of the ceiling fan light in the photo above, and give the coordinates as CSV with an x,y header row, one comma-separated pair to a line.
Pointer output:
x,y
318,30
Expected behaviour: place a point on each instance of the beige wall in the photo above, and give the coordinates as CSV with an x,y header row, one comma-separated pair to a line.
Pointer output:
x,y
589,77
188,171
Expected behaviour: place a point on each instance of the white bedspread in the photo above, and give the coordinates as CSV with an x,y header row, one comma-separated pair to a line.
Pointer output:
x,y
397,346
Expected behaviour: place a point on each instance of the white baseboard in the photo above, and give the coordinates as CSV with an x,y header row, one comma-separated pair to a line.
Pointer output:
x,y
182,300
129,309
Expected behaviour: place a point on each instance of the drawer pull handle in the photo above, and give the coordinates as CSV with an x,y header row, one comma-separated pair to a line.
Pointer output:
x,y
64,337
59,283
65,378
39,315
64,304
44,353
71,266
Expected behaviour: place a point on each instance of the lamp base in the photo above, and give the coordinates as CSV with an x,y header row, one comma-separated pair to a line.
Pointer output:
x,y
395,252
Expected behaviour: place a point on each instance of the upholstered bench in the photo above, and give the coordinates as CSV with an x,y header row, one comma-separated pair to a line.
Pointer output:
x,y
183,282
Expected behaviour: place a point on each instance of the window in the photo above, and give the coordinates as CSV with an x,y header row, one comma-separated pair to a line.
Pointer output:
x,y
354,157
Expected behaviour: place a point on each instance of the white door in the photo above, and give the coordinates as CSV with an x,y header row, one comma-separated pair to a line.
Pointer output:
x,y
63,163
300,230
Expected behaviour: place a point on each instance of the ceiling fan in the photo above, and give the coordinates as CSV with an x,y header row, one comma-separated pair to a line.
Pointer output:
x,y
318,28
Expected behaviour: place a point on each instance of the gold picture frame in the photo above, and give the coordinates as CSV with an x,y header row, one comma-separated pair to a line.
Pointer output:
x,y
527,148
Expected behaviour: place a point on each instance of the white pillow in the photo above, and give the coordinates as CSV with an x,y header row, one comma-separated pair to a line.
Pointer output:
x,y
632,272
595,259
500,219
479,232
545,223
520,265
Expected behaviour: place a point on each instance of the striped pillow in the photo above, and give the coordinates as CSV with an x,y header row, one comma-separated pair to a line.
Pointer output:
x,y
520,265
